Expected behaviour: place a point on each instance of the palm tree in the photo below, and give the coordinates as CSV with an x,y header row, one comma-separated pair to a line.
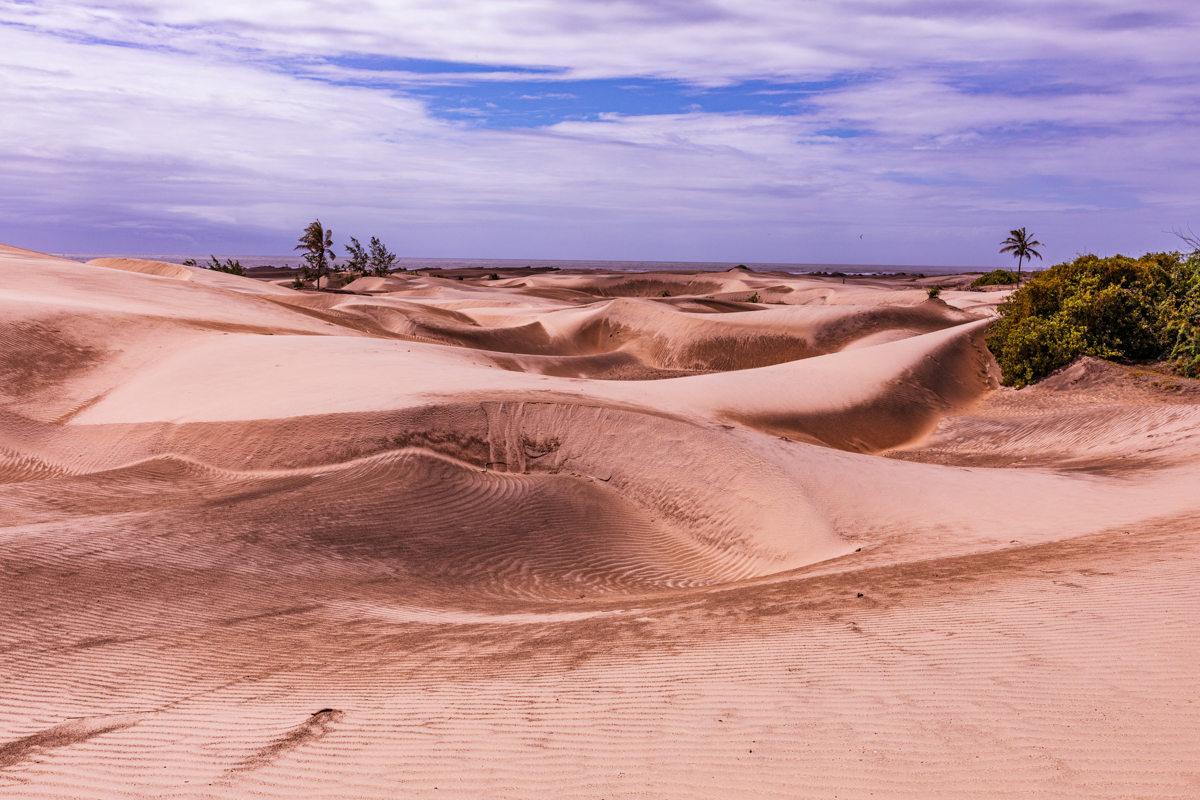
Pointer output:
x,y
318,241
1018,243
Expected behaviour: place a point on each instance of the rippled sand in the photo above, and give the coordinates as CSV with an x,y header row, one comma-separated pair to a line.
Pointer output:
x,y
556,535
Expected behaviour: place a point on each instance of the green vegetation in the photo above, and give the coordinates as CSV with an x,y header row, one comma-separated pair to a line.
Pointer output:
x,y
754,298
933,291
997,277
1021,246
381,261
230,266
359,260
1146,308
665,293
317,241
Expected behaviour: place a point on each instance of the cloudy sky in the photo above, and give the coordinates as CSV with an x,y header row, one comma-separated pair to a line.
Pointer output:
x,y
801,131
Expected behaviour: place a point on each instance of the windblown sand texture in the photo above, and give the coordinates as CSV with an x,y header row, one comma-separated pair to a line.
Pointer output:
x,y
554,535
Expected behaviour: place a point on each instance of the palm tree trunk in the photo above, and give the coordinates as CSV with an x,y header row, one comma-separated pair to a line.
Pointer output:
x,y
1019,260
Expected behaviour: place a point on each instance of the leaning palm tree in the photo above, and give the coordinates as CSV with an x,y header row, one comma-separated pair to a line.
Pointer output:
x,y
318,242
1018,243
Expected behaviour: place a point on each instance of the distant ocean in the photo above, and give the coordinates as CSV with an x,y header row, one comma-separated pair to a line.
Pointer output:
x,y
293,261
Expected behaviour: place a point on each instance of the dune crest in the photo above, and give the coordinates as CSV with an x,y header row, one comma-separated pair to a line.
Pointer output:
x,y
164,269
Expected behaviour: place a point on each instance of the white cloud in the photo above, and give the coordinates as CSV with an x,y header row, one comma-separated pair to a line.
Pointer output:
x,y
136,124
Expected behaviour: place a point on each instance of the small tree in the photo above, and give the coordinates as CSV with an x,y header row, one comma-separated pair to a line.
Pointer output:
x,y
359,260
1021,246
318,242
381,260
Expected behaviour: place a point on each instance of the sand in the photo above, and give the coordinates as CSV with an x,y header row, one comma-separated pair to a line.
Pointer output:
x,y
557,535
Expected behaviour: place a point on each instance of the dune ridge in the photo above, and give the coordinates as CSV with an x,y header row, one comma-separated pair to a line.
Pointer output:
x,y
558,535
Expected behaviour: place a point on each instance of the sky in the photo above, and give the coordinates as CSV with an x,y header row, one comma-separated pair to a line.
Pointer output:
x,y
848,131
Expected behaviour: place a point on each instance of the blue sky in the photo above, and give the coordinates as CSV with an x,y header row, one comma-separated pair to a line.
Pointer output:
x,y
505,97
879,132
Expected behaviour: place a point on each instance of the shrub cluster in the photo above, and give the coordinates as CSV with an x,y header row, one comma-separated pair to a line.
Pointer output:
x,y
1111,308
379,261
997,277
230,266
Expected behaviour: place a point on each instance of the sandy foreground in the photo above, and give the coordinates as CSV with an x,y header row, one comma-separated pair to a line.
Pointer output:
x,y
556,535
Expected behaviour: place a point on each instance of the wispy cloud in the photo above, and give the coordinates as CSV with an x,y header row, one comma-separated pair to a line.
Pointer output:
x,y
706,130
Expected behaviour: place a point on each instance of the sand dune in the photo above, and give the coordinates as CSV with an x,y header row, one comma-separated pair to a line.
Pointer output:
x,y
208,277
558,535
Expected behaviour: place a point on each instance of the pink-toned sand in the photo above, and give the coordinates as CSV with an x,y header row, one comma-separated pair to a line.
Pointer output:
x,y
555,535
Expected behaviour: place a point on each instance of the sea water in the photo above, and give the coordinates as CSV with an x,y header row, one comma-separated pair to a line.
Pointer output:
x,y
293,261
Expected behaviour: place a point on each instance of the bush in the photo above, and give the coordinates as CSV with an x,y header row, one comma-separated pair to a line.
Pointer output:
x,y
933,291
1112,308
665,293
230,266
754,298
997,277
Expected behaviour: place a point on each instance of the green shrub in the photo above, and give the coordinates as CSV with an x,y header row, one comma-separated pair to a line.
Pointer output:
x,y
1179,316
933,291
1036,346
1112,308
665,293
997,277
754,298
230,266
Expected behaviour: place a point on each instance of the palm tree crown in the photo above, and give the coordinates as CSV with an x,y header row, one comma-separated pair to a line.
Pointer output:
x,y
1021,246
